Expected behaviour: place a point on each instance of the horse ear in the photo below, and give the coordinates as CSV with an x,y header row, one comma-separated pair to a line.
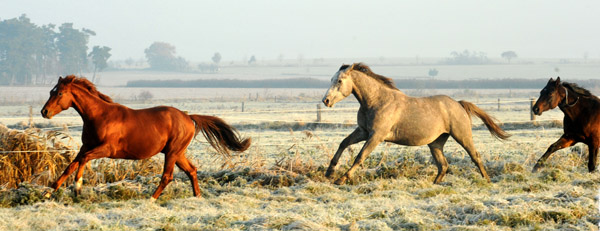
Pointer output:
x,y
60,78
351,68
557,81
551,80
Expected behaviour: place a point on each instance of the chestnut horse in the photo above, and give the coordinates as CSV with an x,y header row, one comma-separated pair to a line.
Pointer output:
x,y
581,122
118,132
387,114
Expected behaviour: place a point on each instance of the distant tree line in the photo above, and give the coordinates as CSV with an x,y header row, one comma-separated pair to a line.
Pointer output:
x,y
233,83
467,57
315,83
32,54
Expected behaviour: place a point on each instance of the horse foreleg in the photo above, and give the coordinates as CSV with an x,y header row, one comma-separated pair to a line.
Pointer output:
x,y
561,143
96,153
371,144
356,136
68,171
593,156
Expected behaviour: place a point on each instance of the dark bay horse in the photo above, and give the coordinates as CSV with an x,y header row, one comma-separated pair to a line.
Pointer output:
x,y
115,131
387,114
581,122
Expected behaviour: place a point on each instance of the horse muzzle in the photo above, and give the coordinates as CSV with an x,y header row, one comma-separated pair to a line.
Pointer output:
x,y
327,102
46,114
536,110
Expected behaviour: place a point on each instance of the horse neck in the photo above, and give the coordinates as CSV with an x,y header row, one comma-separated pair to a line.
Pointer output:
x,y
369,91
573,104
88,106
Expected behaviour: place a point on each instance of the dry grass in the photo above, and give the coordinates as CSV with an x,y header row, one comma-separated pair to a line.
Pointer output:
x,y
278,184
32,156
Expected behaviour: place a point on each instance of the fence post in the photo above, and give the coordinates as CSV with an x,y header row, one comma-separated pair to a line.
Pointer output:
x,y
531,102
30,116
242,106
498,104
319,112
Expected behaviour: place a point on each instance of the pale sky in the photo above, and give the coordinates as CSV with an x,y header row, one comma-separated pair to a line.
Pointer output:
x,y
328,29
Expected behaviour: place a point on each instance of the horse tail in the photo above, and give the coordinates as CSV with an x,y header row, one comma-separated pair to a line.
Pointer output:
x,y
220,135
487,119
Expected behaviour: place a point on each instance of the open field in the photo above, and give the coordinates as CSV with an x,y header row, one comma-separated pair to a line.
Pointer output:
x,y
279,184
407,69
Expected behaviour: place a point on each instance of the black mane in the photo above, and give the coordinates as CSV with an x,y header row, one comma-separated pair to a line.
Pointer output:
x,y
577,89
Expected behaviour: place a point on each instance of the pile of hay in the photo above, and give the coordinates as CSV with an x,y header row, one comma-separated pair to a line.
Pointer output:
x,y
33,155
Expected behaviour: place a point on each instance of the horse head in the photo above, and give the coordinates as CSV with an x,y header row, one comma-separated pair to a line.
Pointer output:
x,y
61,97
341,86
550,96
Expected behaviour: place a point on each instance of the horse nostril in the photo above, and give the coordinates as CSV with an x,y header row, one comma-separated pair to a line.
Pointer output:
x,y
326,101
44,112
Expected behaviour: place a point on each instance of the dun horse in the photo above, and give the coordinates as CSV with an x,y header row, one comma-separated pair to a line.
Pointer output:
x,y
115,131
387,114
581,122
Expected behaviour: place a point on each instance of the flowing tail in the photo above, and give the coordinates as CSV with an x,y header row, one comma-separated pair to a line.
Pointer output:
x,y
487,119
220,135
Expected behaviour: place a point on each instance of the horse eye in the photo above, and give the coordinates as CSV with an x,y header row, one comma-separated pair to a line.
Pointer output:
x,y
60,94
340,81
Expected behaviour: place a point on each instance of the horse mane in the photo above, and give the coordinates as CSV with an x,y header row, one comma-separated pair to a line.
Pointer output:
x,y
388,82
86,84
577,89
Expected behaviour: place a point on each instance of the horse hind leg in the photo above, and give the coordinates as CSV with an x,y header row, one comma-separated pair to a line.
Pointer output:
x,y
190,170
167,176
437,151
466,141
593,156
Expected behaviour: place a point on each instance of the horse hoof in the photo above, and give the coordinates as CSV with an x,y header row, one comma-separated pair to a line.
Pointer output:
x,y
152,199
447,184
47,195
328,173
535,168
340,181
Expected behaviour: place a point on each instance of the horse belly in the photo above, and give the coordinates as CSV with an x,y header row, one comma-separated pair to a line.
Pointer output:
x,y
415,136
143,143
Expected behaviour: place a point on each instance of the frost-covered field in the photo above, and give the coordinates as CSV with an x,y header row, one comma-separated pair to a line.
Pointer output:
x,y
278,183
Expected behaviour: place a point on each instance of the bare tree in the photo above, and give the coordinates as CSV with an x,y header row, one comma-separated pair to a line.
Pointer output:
x,y
508,55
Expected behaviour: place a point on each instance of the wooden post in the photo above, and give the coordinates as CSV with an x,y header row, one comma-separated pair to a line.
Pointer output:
x,y
30,116
498,104
531,102
319,112
242,106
